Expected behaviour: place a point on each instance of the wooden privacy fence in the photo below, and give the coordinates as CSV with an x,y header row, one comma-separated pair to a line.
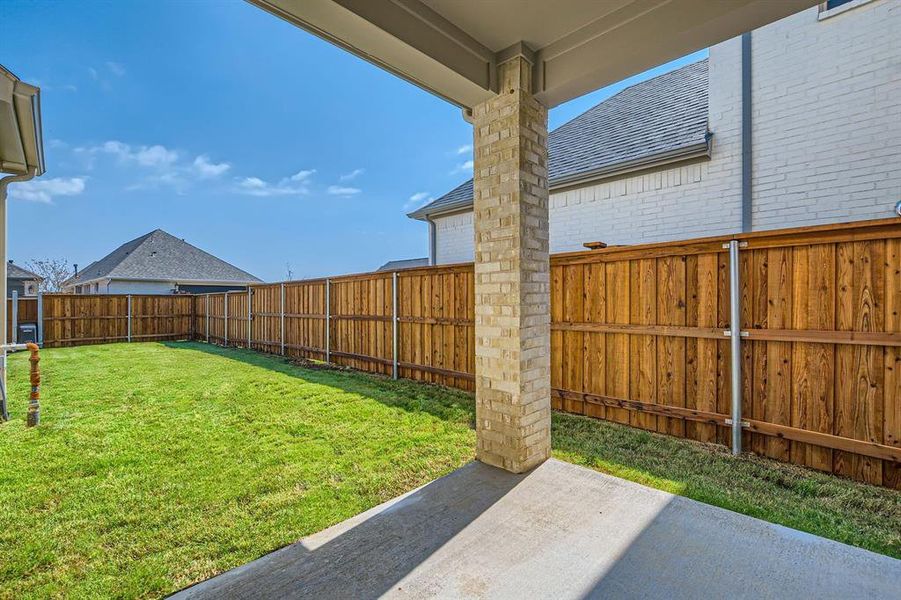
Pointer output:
x,y
72,320
641,335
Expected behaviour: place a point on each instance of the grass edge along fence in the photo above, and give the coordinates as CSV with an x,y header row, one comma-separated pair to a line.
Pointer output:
x,y
641,335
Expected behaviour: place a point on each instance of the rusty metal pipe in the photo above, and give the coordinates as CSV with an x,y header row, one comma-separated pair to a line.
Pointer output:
x,y
34,405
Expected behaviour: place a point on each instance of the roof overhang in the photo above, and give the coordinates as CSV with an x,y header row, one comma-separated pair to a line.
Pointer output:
x,y
692,153
452,47
21,145
176,281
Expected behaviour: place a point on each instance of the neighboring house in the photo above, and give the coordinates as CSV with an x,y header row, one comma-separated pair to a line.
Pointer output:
x,y
22,281
663,159
158,263
406,263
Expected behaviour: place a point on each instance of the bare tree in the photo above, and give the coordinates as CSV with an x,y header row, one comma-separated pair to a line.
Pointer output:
x,y
55,271
289,272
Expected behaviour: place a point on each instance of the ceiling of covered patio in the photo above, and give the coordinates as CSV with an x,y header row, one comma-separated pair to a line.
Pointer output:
x,y
451,47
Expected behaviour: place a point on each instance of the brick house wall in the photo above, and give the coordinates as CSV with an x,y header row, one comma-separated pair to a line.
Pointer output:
x,y
826,95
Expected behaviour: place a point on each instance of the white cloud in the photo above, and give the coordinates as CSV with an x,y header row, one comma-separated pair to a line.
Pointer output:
x,y
117,69
303,175
352,175
466,149
93,73
207,169
463,167
418,199
159,165
44,190
337,190
295,185
146,156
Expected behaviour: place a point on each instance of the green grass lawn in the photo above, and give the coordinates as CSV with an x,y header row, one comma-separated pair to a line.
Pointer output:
x,y
160,465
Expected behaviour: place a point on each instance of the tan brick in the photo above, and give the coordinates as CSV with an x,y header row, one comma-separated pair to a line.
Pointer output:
x,y
512,274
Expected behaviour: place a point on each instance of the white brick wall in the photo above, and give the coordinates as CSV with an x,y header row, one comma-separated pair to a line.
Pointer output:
x,y
826,143
454,239
827,117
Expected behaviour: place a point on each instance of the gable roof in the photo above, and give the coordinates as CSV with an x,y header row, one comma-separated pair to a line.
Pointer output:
x,y
14,271
647,123
159,256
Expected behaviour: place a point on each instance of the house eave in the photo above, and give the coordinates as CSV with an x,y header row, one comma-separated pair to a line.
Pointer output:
x,y
696,151
174,281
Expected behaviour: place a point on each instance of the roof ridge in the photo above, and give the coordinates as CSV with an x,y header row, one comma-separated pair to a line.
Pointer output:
x,y
176,259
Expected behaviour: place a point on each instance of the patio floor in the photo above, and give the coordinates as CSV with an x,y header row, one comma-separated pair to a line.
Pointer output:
x,y
560,531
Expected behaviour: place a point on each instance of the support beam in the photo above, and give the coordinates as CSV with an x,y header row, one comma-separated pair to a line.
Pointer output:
x,y
512,272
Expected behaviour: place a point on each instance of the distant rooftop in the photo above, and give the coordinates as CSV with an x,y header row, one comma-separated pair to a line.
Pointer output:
x,y
640,125
406,263
160,256
14,271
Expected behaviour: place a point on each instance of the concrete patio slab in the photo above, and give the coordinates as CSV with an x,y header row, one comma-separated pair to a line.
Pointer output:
x,y
559,531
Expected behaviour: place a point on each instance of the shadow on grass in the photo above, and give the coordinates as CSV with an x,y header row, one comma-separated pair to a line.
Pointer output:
x,y
444,403
801,498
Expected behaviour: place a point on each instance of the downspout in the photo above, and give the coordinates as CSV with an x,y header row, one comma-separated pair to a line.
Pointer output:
x,y
433,242
746,134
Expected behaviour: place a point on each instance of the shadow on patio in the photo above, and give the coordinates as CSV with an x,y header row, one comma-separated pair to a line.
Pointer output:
x,y
561,531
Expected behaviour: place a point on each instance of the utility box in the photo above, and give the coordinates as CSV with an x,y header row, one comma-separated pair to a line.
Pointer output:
x,y
28,332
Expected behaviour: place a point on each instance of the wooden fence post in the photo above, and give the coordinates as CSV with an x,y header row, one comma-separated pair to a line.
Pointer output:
x,y
40,308
225,301
129,318
249,314
328,320
206,310
281,323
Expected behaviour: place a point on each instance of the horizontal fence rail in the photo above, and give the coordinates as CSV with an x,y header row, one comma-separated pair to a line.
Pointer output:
x,y
640,335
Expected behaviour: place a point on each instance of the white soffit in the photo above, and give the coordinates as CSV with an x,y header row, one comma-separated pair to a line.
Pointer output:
x,y
21,148
451,47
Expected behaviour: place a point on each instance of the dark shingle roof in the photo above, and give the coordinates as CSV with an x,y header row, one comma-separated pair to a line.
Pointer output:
x,y
160,256
405,263
650,119
14,271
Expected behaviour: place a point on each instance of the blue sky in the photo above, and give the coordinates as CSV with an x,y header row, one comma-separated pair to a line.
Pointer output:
x,y
232,129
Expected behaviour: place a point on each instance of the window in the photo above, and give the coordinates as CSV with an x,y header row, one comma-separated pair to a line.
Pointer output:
x,y
830,8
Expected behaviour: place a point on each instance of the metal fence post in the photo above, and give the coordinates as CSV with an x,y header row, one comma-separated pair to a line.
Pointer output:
x,y
394,324
281,321
206,313
328,320
40,319
15,318
225,297
129,319
735,343
249,314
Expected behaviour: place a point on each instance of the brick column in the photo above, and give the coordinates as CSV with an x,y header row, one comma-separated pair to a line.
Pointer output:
x,y
512,303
